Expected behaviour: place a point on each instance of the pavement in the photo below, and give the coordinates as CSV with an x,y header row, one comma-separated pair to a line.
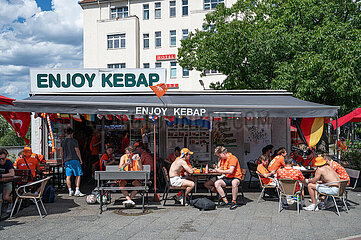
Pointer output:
x,y
73,218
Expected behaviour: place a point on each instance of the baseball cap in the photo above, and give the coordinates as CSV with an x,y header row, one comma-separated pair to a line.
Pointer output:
x,y
27,151
185,151
320,161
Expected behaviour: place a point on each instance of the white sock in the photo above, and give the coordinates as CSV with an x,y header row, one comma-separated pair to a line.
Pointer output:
x,y
77,190
70,190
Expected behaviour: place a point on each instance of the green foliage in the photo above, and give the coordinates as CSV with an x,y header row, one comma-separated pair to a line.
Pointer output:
x,y
8,137
352,156
309,47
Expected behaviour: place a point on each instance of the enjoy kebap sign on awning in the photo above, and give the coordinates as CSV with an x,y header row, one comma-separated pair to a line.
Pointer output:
x,y
94,80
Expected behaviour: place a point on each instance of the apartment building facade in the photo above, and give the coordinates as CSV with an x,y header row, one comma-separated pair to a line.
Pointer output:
x,y
145,34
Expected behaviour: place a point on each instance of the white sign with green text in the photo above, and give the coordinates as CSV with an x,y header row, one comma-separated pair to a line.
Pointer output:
x,y
95,80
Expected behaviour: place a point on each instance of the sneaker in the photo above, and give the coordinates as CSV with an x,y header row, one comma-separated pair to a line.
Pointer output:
x,y
10,207
79,194
132,203
223,204
312,207
181,201
233,206
71,193
285,203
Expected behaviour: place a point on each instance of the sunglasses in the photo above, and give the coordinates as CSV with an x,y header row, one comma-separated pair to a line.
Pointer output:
x,y
2,158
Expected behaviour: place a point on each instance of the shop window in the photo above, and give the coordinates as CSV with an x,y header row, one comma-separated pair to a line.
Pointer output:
x,y
184,33
146,65
146,40
211,4
145,11
158,39
185,72
184,7
173,69
173,38
158,65
157,10
172,9
120,12
207,71
116,65
116,41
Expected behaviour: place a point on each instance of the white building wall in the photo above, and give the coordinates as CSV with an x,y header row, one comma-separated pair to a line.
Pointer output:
x,y
97,25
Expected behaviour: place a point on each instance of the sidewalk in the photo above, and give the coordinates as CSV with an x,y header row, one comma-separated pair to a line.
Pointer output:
x,y
73,218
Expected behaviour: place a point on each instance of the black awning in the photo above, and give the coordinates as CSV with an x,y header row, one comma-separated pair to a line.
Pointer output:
x,y
207,103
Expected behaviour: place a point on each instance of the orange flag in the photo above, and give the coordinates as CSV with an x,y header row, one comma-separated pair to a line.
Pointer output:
x,y
159,89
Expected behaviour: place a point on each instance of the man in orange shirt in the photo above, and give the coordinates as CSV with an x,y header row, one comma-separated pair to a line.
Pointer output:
x,y
288,172
173,156
107,158
145,157
297,158
279,161
264,172
341,171
233,176
28,162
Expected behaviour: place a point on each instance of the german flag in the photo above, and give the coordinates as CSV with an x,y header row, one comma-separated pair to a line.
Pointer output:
x,y
310,130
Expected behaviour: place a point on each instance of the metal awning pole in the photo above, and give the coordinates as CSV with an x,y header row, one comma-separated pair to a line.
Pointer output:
x,y
337,136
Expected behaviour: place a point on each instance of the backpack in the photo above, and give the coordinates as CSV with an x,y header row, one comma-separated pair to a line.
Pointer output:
x,y
49,194
203,204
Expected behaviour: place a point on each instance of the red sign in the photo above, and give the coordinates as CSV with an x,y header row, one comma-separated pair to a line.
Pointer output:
x,y
165,57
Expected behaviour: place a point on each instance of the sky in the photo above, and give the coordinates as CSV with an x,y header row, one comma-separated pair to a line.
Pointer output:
x,y
37,34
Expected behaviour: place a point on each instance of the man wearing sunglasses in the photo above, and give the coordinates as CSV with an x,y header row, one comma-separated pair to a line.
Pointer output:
x,y
6,170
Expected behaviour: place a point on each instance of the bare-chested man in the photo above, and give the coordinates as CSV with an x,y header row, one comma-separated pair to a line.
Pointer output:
x,y
176,168
324,174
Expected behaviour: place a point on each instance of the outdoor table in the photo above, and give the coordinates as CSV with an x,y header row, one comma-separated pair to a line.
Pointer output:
x,y
57,172
207,176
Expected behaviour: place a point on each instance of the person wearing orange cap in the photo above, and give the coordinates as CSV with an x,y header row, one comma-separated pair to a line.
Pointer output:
x,y
28,162
328,178
176,180
233,175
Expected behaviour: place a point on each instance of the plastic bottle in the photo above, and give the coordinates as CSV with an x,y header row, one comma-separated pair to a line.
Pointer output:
x,y
201,168
206,169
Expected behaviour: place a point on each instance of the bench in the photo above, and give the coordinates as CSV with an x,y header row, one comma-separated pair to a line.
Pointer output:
x,y
122,175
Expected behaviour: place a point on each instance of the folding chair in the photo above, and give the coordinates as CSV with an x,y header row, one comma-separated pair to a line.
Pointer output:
x,y
252,168
341,194
354,174
168,188
264,187
32,196
288,189
240,186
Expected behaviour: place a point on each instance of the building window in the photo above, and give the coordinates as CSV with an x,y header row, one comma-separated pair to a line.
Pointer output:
x,y
116,41
211,4
207,71
158,65
172,9
146,65
185,72
173,38
158,39
184,7
146,40
157,10
120,12
173,69
145,11
116,65
184,33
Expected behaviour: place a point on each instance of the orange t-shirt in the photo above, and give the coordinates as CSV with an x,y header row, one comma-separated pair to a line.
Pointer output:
x,y
277,163
262,170
341,171
33,164
104,159
232,161
290,173
147,159
94,149
134,162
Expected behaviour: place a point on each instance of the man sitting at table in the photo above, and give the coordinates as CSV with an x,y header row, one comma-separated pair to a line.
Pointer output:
x,y
341,171
311,159
145,157
210,183
130,162
324,174
107,158
267,150
265,174
233,176
179,165
297,158
278,161
28,162
7,171
288,172
173,156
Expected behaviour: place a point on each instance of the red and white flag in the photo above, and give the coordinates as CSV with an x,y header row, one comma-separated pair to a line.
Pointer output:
x,y
20,121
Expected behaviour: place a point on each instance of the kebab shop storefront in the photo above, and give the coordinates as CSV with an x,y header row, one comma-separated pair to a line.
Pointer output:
x,y
113,105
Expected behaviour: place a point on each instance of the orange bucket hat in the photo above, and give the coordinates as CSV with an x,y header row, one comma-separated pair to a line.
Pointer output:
x,y
320,161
